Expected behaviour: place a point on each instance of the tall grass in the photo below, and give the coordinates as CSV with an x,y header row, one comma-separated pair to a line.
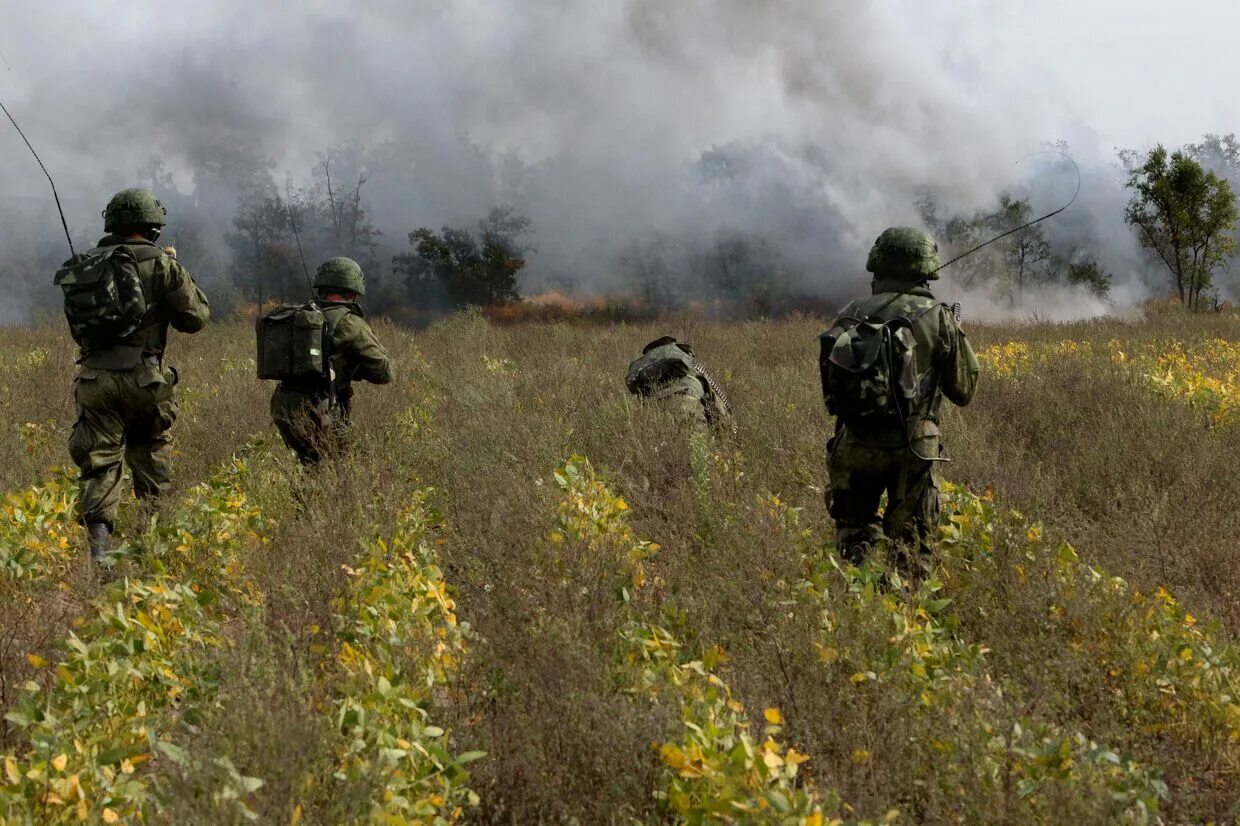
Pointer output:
x,y
478,421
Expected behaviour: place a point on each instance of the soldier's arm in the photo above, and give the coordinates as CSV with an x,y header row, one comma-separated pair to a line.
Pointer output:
x,y
960,368
185,305
365,355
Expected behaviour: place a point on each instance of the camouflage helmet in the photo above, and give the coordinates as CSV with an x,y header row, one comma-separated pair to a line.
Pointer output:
x,y
134,208
904,250
342,274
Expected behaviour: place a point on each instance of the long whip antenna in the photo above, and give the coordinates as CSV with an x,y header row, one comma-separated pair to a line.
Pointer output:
x,y
1027,224
288,207
55,194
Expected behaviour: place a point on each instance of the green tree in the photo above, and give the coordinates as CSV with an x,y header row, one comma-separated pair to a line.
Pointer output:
x,y
1185,215
1026,251
1088,274
465,268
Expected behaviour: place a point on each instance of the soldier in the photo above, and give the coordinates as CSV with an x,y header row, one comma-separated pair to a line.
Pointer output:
x,y
886,364
125,392
311,414
669,373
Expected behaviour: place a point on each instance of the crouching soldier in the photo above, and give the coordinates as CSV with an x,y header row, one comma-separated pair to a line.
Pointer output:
x,y
667,372
311,411
120,300
886,364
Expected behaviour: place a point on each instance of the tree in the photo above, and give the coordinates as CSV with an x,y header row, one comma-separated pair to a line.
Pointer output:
x,y
265,261
1088,274
1219,153
955,235
1185,215
463,268
1026,251
345,227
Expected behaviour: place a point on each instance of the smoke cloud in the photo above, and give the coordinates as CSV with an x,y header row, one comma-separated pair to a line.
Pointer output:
x,y
814,123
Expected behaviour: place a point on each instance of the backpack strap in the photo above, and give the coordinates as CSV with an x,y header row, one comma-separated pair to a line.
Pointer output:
x,y
333,314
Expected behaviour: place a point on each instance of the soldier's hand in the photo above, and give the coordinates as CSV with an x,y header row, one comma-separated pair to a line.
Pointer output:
x,y
171,250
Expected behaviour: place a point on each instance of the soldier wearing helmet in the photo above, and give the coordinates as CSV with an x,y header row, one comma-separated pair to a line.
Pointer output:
x,y
886,364
125,390
311,416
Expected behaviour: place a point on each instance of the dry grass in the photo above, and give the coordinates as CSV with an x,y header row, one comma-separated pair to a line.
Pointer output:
x,y
485,413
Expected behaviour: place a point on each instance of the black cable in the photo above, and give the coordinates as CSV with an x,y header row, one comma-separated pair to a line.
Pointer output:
x,y
55,194
1029,223
288,207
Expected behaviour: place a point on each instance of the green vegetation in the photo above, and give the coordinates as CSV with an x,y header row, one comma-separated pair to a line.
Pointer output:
x,y
524,597
1185,215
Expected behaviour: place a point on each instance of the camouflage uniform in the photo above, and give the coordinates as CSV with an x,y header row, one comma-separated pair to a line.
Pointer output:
x,y
125,393
687,391
312,416
898,458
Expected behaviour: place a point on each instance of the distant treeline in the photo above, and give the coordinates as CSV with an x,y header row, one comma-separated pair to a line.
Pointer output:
x,y
246,235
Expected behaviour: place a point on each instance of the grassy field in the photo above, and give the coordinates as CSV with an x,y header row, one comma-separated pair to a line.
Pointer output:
x,y
525,598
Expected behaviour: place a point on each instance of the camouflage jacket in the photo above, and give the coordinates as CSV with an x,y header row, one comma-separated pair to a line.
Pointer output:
x,y
173,299
944,361
354,351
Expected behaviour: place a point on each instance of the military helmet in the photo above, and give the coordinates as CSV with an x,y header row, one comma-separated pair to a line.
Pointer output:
x,y
134,208
904,250
341,273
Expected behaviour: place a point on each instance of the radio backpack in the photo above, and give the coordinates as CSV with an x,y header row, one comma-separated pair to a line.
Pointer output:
x,y
869,372
291,342
104,301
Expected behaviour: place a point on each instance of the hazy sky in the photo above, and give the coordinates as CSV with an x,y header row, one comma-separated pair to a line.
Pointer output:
x,y
1134,72
846,109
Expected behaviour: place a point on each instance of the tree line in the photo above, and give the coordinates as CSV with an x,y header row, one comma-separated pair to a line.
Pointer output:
x,y
1181,206
252,238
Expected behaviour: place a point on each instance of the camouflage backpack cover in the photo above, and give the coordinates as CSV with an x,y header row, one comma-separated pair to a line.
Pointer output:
x,y
869,372
668,367
104,299
662,362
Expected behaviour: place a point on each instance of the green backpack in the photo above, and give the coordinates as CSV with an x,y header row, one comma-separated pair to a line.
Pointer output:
x,y
104,299
869,372
292,342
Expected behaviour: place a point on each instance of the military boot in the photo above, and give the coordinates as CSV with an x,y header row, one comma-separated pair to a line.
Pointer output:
x,y
100,540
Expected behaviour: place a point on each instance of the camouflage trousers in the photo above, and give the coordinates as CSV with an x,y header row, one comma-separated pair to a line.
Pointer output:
x,y
860,474
123,416
308,424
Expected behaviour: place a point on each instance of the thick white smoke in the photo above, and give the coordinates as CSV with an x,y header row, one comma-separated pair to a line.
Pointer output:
x,y
826,117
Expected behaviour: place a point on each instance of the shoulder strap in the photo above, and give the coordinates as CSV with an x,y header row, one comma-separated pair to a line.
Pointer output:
x,y
333,315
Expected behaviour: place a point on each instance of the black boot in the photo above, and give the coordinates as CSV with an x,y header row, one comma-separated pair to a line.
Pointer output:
x,y
100,540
